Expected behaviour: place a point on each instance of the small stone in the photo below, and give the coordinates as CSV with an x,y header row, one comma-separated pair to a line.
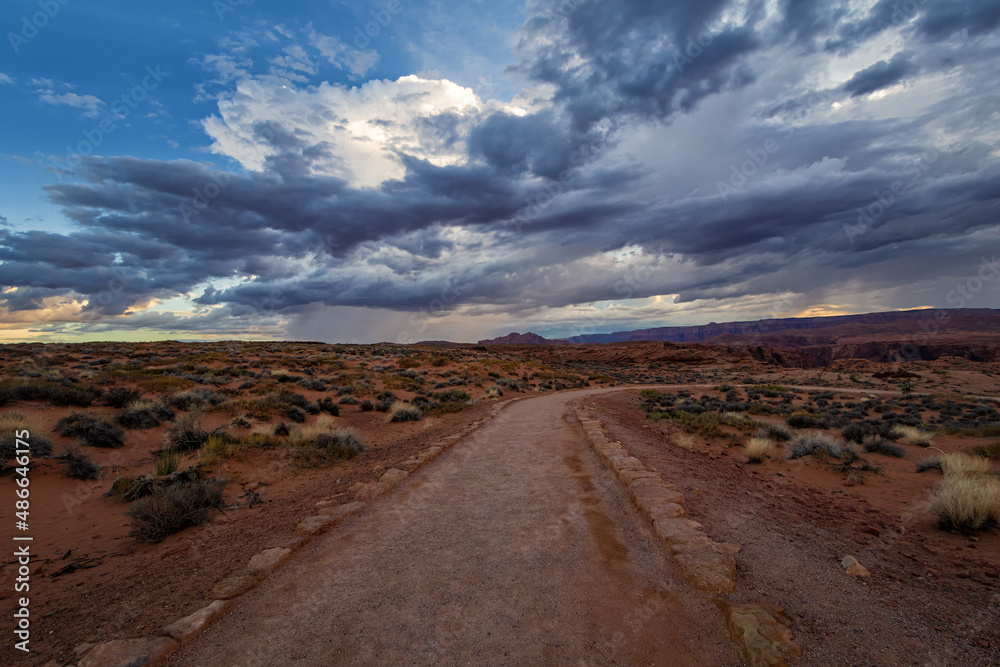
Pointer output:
x,y
251,486
187,628
268,559
267,480
853,567
151,652
871,530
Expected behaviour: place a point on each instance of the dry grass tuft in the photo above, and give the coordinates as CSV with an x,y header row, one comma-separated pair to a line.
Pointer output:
x,y
966,502
685,441
964,465
758,449
909,435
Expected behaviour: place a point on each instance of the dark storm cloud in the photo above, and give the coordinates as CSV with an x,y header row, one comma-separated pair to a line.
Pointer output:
x,y
881,75
150,229
635,57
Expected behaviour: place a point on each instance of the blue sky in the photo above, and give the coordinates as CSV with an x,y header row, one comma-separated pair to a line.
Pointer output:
x,y
403,170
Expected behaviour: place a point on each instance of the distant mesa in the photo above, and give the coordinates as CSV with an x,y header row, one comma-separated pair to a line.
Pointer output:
x,y
923,327
519,339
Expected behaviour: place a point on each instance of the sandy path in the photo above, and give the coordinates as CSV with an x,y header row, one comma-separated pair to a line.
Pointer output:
x,y
515,547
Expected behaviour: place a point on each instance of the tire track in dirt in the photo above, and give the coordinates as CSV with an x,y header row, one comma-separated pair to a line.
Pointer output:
x,y
515,547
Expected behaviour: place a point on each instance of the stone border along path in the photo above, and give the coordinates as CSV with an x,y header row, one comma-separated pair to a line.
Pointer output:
x,y
154,651
762,632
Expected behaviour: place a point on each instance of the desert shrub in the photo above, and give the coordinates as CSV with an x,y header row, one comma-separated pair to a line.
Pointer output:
x,y
173,508
774,432
240,421
164,383
320,444
409,362
296,414
91,431
79,466
964,465
966,502
144,414
705,424
166,462
758,449
132,488
340,444
990,451
928,463
437,362
404,412
119,397
650,393
494,392
349,400
448,407
328,406
857,431
186,434
15,421
195,398
367,406
806,421
280,429
878,444
913,436
512,384
817,444
451,396
70,396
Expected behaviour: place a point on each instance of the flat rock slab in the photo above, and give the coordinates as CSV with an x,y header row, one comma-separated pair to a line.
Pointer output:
x,y
393,476
314,525
710,572
762,631
151,651
341,512
620,463
629,476
187,628
659,508
269,559
371,491
651,491
235,585
429,453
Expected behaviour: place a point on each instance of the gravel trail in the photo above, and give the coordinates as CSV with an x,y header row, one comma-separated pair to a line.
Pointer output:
x,y
515,547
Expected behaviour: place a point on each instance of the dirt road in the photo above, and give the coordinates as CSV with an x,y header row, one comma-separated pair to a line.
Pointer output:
x,y
516,547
